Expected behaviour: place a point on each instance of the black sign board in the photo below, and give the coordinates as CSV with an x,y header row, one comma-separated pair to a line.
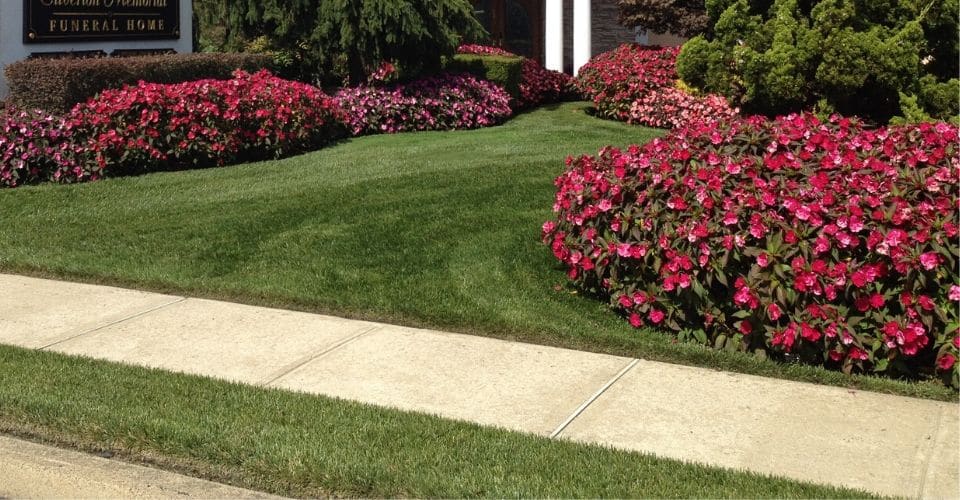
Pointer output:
x,y
58,21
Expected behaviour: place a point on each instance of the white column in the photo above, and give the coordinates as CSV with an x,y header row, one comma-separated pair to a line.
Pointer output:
x,y
553,29
582,50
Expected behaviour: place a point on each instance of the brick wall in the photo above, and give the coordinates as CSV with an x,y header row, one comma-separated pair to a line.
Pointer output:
x,y
606,31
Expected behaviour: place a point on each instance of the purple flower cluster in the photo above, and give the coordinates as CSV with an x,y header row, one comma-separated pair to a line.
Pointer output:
x,y
445,102
35,147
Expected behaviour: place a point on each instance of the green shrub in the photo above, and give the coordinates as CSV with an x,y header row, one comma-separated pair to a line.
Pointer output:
x,y
335,40
852,56
940,99
56,85
504,71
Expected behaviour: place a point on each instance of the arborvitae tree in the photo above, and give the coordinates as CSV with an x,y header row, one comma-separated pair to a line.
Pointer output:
x,y
865,57
686,18
329,40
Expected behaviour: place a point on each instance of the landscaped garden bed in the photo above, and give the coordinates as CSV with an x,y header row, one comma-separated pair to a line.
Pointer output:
x,y
807,246
436,229
818,240
826,243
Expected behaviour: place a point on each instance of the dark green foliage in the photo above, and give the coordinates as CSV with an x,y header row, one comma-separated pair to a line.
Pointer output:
x,y
681,17
505,71
333,40
58,84
851,56
940,99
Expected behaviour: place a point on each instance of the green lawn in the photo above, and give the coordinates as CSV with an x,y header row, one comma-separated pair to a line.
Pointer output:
x,y
437,229
300,445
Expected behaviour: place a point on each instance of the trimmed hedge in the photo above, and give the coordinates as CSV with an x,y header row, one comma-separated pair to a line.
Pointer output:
x,y
538,85
56,85
503,70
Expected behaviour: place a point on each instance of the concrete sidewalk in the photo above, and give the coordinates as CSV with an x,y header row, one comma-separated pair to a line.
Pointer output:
x,y
888,444
31,470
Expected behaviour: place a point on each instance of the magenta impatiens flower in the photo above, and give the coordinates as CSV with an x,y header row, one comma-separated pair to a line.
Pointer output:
x,y
774,312
444,102
930,260
616,79
656,316
815,233
946,361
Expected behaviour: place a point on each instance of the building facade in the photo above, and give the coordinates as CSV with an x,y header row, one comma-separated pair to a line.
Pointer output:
x,y
561,34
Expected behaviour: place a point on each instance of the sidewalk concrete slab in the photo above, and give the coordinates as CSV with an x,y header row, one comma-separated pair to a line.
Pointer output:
x,y
31,470
217,339
809,432
943,469
887,444
38,312
516,386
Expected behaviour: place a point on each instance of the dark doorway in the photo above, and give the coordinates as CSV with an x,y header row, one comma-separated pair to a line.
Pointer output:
x,y
515,25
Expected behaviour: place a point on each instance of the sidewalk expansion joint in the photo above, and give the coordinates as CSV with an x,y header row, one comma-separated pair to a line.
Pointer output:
x,y
313,357
576,413
933,449
112,323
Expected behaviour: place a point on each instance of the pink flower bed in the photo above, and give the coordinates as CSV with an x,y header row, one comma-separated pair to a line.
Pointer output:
x,y
446,102
826,243
35,147
484,50
616,79
202,123
538,85
670,107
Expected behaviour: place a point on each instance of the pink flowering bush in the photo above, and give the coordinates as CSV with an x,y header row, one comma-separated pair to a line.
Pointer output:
x,y
670,107
35,147
614,80
538,85
445,102
826,243
484,50
202,123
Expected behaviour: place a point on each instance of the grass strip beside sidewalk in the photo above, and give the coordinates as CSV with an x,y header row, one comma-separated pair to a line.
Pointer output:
x,y
300,445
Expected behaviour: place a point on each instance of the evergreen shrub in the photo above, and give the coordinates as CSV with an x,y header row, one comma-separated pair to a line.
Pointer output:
x,y
856,57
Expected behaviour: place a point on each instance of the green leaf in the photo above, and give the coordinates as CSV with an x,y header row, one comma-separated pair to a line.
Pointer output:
x,y
721,277
700,335
881,365
698,288
720,341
